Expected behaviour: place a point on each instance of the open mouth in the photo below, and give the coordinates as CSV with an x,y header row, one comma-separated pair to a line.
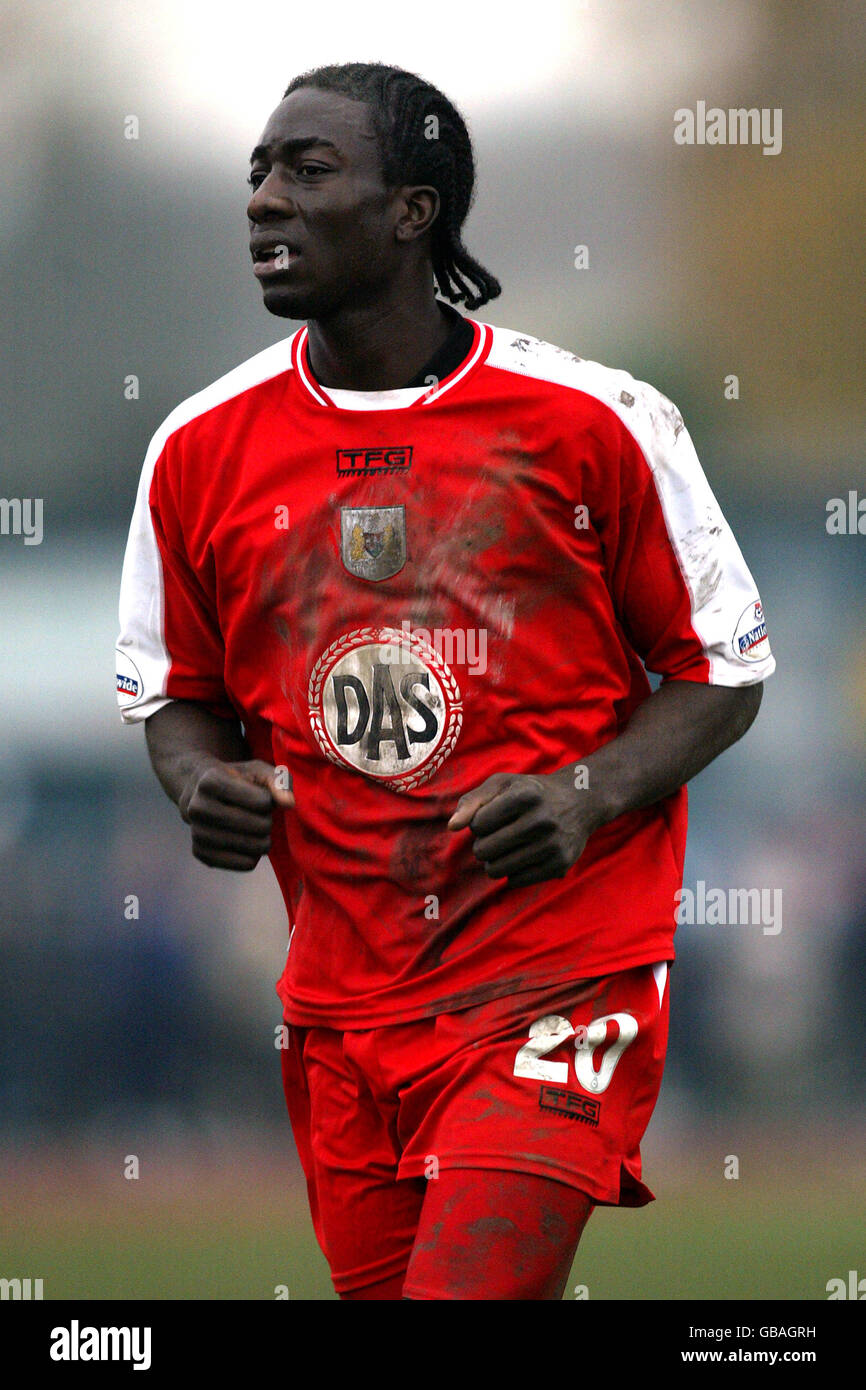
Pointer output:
x,y
270,260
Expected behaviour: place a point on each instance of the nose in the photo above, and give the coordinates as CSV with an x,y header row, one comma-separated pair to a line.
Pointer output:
x,y
268,202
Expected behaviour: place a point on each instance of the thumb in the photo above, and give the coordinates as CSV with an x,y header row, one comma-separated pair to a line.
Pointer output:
x,y
472,801
277,780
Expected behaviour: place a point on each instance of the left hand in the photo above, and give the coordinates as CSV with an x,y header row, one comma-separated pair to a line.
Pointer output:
x,y
527,829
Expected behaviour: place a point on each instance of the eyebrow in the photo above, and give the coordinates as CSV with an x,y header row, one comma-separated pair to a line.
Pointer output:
x,y
290,147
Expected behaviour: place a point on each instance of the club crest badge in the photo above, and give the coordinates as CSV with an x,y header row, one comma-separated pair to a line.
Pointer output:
x,y
373,541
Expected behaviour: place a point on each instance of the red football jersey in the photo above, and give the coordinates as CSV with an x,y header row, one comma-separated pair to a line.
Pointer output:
x,y
401,592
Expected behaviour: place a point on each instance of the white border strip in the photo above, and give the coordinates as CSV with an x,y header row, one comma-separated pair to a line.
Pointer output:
x,y
302,373
484,337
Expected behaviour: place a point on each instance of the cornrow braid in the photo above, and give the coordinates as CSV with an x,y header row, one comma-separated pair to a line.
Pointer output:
x,y
422,140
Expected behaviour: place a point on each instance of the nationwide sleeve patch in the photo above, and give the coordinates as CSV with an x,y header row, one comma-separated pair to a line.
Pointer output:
x,y
130,686
751,642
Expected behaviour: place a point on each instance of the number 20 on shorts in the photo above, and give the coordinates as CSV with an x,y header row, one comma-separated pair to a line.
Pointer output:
x,y
547,1033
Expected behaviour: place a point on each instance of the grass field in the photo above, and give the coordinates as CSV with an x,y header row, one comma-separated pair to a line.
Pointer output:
x,y
234,1224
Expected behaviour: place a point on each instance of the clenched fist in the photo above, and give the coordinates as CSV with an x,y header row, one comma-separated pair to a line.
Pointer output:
x,y
229,808
526,829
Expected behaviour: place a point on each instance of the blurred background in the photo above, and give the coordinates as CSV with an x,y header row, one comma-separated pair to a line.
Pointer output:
x,y
144,1028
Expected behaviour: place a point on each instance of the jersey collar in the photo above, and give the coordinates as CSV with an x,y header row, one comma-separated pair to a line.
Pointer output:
x,y
406,398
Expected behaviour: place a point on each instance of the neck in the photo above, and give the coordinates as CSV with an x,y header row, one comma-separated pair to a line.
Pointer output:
x,y
379,347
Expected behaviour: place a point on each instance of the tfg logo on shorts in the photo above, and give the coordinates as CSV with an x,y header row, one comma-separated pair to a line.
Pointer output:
x,y
76,1343
569,1103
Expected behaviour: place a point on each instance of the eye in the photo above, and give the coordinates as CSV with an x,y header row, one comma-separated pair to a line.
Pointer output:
x,y
307,170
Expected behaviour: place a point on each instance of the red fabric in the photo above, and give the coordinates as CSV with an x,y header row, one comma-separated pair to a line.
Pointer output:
x,y
487,1236
379,1115
391,1289
394,919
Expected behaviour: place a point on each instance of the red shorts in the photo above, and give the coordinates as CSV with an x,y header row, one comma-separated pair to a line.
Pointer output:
x,y
559,1083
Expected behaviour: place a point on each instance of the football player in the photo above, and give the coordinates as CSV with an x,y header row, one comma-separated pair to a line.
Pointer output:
x,y
391,593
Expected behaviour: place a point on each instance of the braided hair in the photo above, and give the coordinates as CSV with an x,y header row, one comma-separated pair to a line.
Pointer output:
x,y
422,140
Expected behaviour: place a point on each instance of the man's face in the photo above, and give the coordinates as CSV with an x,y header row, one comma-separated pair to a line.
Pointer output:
x,y
319,198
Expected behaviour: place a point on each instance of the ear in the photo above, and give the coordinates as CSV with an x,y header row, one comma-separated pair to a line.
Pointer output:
x,y
417,210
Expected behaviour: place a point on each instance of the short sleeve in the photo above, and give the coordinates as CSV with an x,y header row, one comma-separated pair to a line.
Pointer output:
x,y
682,591
169,646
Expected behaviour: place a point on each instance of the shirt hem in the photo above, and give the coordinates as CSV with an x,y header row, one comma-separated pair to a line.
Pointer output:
x,y
337,1016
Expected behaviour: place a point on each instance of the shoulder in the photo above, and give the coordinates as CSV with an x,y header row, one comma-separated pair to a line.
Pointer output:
x,y
230,388
647,414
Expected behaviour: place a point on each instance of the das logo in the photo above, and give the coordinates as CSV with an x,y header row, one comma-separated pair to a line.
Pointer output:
x,y
385,703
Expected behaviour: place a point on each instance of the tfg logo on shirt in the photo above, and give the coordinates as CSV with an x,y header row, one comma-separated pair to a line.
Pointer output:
x,y
367,463
385,703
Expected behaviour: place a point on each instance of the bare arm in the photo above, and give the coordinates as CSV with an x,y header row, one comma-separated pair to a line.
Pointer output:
x,y
225,796
529,829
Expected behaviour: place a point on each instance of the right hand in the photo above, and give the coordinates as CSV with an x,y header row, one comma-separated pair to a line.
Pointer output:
x,y
229,807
